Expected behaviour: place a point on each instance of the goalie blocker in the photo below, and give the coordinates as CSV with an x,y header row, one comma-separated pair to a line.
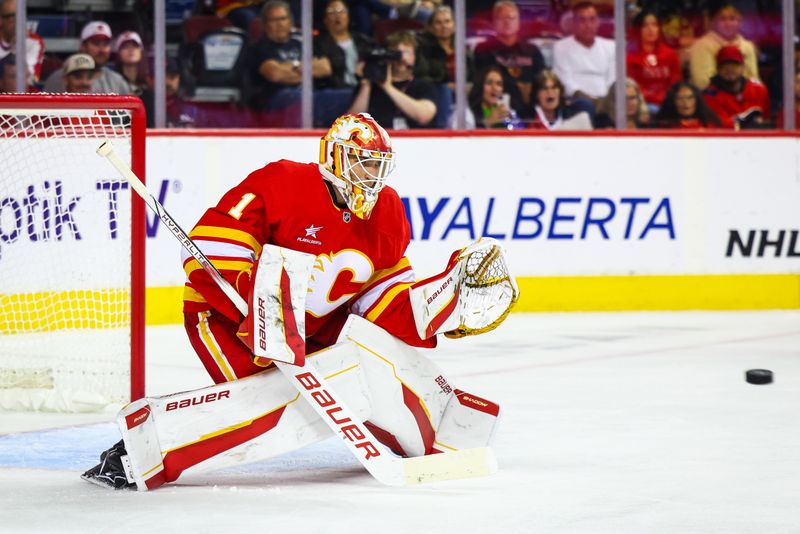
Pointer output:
x,y
402,396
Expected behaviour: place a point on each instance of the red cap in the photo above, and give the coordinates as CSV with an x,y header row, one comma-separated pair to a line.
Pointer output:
x,y
730,54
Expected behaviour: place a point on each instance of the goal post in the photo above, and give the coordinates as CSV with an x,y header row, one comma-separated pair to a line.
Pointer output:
x,y
72,253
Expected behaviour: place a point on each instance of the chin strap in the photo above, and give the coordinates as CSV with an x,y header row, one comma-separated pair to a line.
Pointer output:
x,y
332,178
341,185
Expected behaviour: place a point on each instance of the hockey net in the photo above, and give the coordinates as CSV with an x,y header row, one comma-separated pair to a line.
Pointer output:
x,y
71,305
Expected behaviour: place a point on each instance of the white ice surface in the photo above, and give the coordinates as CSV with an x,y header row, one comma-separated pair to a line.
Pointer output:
x,y
612,423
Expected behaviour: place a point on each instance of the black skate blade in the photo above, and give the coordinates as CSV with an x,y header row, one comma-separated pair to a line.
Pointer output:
x,y
105,482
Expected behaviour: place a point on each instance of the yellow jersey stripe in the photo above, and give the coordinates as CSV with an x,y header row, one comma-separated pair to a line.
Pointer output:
x,y
211,345
384,301
227,233
223,265
385,273
192,295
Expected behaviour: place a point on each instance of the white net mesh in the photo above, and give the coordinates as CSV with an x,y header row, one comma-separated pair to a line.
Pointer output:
x,y
65,261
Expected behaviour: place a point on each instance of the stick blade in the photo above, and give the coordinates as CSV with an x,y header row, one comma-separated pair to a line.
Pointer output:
x,y
465,463
105,148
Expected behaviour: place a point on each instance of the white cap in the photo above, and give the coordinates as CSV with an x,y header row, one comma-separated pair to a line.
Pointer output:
x,y
94,29
77,62
126,37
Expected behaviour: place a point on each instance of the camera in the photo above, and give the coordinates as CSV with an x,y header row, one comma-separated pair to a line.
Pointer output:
x,y
377,61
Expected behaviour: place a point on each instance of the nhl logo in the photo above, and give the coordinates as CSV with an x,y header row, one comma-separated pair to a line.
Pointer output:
x,y
346,216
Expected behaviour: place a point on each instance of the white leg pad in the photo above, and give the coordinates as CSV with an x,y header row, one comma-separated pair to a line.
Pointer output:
x,y
468,421
411,399
236,422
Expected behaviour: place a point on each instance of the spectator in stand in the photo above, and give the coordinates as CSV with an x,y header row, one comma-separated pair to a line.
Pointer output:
x,y
636,111
584,62
650,62
8,74
363,11
128,49
34,44
796,102
521,59
436,44
95,41
552,109
739,102
180,113
394,97
684,108
725,22
344,50
78,73
275,65
489,104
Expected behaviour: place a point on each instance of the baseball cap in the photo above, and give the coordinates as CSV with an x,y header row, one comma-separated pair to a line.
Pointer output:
x,y
94,29
730,54
125,37
77,62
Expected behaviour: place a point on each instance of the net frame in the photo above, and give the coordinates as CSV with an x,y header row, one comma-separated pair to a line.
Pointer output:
x,y
50,104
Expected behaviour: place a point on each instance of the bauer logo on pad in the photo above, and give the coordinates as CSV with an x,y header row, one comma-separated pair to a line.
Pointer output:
x,y
138,417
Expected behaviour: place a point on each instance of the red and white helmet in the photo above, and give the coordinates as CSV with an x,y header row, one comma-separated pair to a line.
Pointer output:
x,y
356,157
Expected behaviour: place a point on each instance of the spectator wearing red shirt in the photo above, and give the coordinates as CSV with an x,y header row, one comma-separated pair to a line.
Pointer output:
x,y
739,102
650,62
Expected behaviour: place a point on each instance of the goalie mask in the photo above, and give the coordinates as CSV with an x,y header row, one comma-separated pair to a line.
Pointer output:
x,y
356,157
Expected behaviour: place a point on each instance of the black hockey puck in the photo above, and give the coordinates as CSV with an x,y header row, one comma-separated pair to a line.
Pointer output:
x,y
758,376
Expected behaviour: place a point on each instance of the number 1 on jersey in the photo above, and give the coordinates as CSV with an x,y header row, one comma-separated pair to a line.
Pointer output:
x,y
236,211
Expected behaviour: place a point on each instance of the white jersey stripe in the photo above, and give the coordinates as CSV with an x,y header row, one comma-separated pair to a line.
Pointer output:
x,y
365,301
217,248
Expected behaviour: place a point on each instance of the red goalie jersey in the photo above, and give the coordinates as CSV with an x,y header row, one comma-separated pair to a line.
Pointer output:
x,y
360,265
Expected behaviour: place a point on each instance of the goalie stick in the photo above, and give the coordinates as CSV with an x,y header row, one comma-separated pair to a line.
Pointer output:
x,y
315,389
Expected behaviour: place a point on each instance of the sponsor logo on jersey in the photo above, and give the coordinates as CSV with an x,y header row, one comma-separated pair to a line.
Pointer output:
x,y
311,232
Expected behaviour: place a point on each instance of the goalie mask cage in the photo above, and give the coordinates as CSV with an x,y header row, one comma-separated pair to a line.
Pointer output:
x,y
72,242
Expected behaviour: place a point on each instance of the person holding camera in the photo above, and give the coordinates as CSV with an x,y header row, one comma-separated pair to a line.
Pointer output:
x,y
389,91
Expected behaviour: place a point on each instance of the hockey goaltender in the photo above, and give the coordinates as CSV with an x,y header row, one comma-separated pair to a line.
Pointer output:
x,y
298,286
